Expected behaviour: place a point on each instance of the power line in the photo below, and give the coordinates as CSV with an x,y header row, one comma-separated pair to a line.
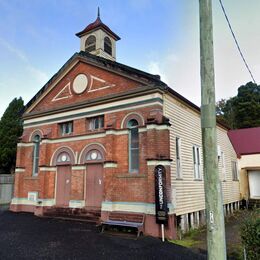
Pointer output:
x,y
235,39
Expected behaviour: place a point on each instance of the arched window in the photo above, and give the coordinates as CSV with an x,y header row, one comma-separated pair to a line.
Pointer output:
x,y
132,125
90,44
36,153
108,45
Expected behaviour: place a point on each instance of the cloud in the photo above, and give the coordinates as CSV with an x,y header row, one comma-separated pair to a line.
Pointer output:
x,y
19,54
180,74
154,68
40,76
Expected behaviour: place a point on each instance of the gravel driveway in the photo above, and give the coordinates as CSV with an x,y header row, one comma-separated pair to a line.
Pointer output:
x,y
24,236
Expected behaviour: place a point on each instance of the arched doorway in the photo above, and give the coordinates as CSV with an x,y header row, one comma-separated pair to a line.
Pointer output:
x,y
63,160
94,158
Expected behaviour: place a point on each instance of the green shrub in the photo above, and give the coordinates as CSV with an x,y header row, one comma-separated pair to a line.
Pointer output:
x,y
250,235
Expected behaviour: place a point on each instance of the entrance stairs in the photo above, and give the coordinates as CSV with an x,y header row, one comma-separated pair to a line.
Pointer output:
x,y
77,214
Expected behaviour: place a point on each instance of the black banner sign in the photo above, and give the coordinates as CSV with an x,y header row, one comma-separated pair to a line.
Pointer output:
x,y
160,195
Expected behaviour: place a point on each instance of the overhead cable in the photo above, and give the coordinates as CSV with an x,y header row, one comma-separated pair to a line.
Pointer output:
x,y
235,39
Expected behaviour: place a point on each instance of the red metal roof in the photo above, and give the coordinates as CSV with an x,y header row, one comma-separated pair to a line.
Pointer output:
x,y
245,141
96,25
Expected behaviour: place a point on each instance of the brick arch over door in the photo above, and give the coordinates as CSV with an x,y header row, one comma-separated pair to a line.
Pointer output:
x,y
58,158
92,147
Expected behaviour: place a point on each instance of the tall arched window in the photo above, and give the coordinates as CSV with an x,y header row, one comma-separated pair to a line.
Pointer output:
x,y
132,125
36,153
108,45
90,44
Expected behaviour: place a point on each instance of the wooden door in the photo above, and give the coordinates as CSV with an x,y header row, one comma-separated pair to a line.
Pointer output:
x,y
63,186
94,185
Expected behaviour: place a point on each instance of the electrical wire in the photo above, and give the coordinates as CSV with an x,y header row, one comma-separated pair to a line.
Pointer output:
x,y
235,39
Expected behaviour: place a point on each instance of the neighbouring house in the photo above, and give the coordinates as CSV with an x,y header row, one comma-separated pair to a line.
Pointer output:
x,y
94,134
246,143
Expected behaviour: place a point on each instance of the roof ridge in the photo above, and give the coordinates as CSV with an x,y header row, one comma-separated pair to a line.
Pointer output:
x,y
115,63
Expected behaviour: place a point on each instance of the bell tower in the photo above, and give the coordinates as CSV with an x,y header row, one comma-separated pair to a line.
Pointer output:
x,y
98,39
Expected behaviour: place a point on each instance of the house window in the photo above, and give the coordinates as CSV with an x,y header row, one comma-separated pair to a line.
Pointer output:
x,y
66,128
90,44
223,166
108,46
196,162
234,171
178,158
36,153
132,125
95,123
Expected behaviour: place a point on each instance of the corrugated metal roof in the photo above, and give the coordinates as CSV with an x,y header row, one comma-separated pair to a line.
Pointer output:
x,y
245,141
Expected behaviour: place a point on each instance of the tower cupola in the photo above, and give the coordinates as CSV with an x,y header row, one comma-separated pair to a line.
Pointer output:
x,y
98,39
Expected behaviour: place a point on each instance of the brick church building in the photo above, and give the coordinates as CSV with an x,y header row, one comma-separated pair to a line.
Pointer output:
x,y
94,134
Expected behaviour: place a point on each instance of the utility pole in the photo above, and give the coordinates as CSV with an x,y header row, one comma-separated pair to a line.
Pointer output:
x,y
216,241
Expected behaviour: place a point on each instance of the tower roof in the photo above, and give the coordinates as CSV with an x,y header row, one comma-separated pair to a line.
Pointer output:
x,y
98,24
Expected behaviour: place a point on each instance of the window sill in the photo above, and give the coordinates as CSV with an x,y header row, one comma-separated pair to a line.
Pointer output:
x,y
66,135
179,179
99,130
32,178
198,180
131,175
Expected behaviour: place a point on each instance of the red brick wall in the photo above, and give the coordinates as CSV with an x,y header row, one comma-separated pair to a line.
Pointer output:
x,y
122,84
120,185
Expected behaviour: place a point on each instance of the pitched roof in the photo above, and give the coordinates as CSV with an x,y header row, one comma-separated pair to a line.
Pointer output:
x,y
98,24
149,80
245,141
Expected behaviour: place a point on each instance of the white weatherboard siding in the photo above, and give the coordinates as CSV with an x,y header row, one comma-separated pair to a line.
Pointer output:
x,y
188,193
230,188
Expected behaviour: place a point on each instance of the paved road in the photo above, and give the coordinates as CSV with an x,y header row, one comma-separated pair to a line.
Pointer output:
x,y
24,236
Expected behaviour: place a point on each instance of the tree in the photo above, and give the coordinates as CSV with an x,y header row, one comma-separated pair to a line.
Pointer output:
x,y
243,110
247,104
226,113
10,131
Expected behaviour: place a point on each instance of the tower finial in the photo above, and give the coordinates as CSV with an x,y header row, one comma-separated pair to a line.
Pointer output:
x,y
98,13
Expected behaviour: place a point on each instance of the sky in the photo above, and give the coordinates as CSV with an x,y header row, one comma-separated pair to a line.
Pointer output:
x,y
157,36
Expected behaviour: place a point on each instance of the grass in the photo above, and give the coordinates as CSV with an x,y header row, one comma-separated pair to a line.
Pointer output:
x,y
196,239
190,239
185,242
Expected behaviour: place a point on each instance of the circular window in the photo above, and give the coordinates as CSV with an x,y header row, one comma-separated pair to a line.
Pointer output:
x,y
80,84
64,158
94,156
